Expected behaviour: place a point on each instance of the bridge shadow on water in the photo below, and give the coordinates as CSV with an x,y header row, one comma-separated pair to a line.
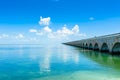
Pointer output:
x,y
103,58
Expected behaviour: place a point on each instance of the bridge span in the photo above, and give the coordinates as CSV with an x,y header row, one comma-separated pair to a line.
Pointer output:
x,y
107,43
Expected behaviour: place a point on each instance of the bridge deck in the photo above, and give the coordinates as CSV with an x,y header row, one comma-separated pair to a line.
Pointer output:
x,y
110,43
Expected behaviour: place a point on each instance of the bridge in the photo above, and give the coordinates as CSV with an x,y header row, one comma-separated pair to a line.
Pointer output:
x,y
107,43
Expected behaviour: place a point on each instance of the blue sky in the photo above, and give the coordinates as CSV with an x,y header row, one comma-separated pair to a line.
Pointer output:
x,y
61,20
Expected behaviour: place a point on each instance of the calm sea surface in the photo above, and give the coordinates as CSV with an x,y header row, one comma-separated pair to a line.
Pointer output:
x,y
51,62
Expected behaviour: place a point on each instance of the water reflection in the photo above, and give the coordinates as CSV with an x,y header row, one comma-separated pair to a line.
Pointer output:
x,y
45,63
103,59
68,55
31,62
76,58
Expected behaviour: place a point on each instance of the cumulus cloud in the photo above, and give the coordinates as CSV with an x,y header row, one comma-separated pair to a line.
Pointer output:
x,y
43,31
61,33
4,36
33,30
44,21
47,29
39,33
75,29
64,32
19,36
51,35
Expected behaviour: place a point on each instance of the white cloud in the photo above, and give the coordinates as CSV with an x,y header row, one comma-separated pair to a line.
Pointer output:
x,y
47,29
51,35
4,36
44,21
64,32
39,33
33,30
75,29
19,36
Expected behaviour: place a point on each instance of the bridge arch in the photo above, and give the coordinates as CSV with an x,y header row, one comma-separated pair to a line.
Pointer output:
x,y
80,44
86,46
96,47
90,46
104,47
83,45
116,48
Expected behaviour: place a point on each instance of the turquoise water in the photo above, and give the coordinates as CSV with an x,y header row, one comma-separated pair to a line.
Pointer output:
x,y
51,62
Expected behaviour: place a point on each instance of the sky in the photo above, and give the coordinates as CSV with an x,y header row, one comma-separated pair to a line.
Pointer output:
x,y
52,21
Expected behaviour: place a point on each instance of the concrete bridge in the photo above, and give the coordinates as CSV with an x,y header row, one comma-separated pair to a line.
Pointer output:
x,y
107,43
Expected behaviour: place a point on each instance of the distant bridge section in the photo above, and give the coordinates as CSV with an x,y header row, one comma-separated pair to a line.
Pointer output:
x,y
107,43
